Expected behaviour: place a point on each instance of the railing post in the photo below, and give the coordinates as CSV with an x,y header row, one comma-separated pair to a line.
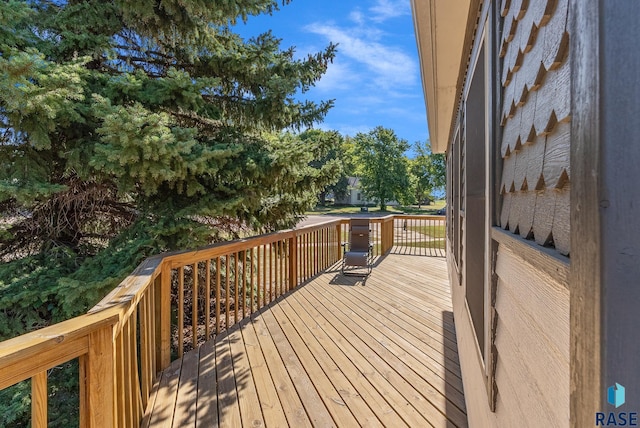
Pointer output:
x,y
97,387
162,308
293,261
383,237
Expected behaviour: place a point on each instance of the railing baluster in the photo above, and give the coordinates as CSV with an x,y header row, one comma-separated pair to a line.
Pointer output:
x,y
39,400
128,384
293,262
218,295
207,299
253,259
121,410
278,266
144,347
308,251
135,385
244,283
194,307
271,273
430,229
318,249
283,266
260,278
227,300
236,300
83,396
307,256
283,272
323,248
152,330
180,311
314,251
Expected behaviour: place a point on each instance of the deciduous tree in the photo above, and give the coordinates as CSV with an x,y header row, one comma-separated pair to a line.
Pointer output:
x,y
382,165
428,171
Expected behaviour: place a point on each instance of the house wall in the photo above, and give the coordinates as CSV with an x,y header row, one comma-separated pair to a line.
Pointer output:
x,y
535,115
521,376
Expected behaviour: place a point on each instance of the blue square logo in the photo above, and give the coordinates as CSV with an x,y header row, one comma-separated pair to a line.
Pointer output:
x,y
615,395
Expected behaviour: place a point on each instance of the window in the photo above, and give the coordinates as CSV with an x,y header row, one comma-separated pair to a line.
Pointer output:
x,y
473,192
454,202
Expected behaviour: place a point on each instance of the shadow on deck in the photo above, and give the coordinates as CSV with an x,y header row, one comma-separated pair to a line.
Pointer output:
x,y
336,351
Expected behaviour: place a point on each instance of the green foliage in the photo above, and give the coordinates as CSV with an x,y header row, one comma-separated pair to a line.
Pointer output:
x,y
133,127
59,284
332,159
114,110
382,165
51,287
63,401
428,172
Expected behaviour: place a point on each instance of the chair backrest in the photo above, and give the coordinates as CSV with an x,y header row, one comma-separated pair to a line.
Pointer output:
x,y
359,234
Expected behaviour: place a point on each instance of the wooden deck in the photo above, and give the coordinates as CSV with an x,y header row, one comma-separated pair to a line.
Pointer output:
x,y
335,352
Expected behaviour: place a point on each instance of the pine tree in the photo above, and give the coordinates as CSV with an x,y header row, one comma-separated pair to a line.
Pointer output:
x,y
129,127
116,112
113,111
332,160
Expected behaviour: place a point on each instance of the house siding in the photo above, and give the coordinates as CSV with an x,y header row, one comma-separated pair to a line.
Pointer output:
x,y
531,307
535,115
523,372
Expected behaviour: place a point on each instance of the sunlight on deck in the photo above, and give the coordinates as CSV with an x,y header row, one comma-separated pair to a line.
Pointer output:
x,y
337,351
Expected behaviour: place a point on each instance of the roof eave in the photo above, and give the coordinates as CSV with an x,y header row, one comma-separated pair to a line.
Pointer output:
x,y
440,27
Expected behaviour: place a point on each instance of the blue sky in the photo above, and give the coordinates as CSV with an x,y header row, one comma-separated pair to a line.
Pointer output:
x,y
375,78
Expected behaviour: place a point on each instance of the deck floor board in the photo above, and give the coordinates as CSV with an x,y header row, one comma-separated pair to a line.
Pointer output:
x,y
337,351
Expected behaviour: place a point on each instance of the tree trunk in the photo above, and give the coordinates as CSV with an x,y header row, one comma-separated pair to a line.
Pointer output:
x,y
323,198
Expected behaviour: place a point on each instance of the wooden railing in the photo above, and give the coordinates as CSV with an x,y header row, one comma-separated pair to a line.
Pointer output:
x,y
406,234
169,304
419,235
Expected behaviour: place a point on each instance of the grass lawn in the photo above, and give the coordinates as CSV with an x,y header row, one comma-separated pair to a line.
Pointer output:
x,y
432,231
411,209
425,209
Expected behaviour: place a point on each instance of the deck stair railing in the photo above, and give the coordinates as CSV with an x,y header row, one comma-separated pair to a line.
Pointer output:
x,y
171,303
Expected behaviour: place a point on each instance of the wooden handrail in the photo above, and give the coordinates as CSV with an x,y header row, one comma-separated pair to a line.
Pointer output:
x,y
17,354
125,340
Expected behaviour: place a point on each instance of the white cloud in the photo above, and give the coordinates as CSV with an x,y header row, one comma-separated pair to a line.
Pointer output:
x,y
339,76
387,9
357,17
385,66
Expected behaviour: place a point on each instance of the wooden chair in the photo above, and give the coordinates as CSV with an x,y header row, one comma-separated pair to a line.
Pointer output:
x,y
358,252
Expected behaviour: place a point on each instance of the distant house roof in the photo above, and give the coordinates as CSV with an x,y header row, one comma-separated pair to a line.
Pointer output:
x,y
353,181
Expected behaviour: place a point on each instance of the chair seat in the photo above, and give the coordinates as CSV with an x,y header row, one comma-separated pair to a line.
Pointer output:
x,y
356,258
360,249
